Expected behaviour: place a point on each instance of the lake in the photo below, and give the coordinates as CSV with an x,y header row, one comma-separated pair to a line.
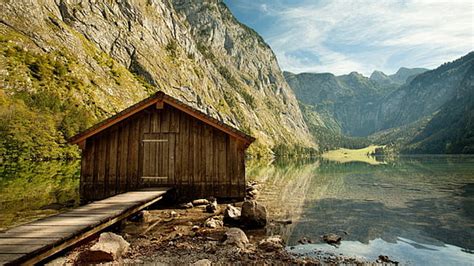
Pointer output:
x,y
417,210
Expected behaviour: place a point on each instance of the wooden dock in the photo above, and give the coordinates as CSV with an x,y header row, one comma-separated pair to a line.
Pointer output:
x,y
33,242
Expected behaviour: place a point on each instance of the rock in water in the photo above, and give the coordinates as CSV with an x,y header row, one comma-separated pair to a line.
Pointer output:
x,y
254,215
272,243
235,236
332,239
198,202
231,215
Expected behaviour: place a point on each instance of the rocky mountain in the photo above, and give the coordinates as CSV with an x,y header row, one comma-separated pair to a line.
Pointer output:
x,y
415,116
402,76
67,64
345,104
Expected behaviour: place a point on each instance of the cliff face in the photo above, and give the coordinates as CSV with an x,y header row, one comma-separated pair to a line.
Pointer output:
x,y
98,57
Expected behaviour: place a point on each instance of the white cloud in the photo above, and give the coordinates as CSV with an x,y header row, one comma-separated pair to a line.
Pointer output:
x,y
342,36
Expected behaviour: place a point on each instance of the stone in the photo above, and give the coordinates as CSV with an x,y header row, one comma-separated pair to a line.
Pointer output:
x,y
253,215
187,205
231,215
272,243
212,207
111,243
235,236
203,262
332,239
199,202
214,222
195,228
303,240
173,214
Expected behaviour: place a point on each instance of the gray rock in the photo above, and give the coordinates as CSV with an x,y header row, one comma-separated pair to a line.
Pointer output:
x,y
203,262
237,237
272,243
254,215
214,222
231,215
111,243
332,239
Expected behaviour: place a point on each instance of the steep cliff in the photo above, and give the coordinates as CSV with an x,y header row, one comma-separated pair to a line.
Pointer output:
x,y
75,62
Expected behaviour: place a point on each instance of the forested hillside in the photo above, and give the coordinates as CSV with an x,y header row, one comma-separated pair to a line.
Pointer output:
x,y
431,112
65,65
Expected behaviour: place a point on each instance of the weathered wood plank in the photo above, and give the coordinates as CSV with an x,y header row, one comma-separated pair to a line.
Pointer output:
x,y
9,257
40,239
123,142
27,241
112,170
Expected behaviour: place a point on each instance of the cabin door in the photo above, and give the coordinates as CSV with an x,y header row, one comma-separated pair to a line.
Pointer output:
x,y
156,159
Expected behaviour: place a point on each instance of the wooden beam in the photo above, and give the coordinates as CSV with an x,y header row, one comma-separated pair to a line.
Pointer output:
x,y
159,104
114,121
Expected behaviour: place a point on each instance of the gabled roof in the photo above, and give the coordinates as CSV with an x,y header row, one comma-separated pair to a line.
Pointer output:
x,y
155,98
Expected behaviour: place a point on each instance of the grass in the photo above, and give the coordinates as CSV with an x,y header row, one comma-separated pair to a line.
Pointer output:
x,y
365,155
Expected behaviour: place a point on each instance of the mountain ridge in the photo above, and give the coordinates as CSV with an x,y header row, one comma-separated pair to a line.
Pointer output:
x,y
61,59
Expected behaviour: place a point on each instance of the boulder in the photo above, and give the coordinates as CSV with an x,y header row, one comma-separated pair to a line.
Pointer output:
x,y
111,243
203,262
231,215
237,237
214,222
198,202
332,239
272,243
212,207
109,247
253,215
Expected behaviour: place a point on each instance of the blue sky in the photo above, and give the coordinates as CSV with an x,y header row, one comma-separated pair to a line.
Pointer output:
x,y
340,36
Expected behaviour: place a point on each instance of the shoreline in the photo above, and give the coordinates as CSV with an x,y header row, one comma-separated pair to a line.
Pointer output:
x,y
177,235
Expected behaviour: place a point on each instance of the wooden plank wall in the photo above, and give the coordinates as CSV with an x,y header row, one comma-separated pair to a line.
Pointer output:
x,y
198,159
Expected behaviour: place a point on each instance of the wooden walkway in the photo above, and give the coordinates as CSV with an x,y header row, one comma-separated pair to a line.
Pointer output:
x,y
35,241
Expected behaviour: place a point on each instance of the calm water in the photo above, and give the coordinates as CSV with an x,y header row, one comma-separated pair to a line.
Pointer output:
x,y
29,191
417,210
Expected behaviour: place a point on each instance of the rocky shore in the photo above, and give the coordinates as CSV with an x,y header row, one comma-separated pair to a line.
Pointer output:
x,y
201,232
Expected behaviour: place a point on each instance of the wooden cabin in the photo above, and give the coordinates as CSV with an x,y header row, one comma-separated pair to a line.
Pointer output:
x,y
162,142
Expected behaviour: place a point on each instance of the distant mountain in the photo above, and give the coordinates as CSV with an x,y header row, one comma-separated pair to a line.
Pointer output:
x,y
403,75
431,112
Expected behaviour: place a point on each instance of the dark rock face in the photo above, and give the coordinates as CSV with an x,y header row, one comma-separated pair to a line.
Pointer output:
x,y
254,215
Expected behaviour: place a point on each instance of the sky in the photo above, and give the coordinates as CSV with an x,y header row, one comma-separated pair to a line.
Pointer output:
x,y
340,36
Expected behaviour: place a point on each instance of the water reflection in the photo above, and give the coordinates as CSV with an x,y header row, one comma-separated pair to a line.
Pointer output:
x,y
32,190
423,202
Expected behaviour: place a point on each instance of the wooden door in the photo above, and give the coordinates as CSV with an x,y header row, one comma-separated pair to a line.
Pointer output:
x,y
156,159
